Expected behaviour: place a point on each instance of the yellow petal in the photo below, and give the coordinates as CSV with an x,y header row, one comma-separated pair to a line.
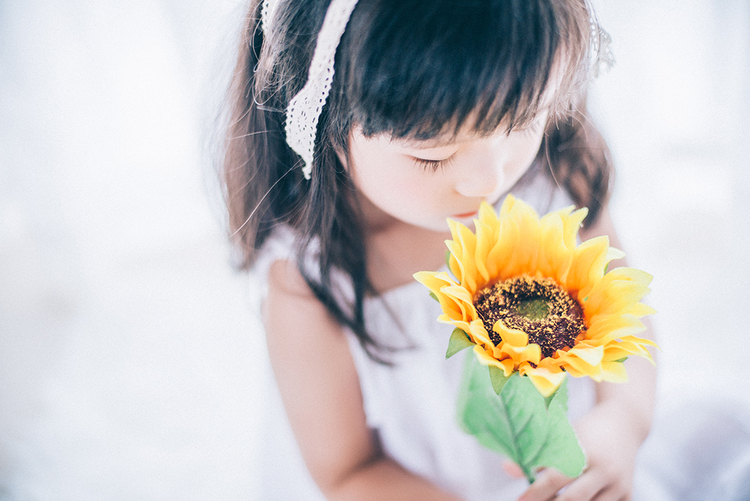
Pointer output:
x,y
486,358
508,366
603,328
554,256
514,337
524,256
456,260
613,297
590,355
546,381
587,267
507,205
502,250
529,353
613,372
572,223
640,310
479,334
485,238
619,277
583,361
463,256
614,253
642,343
487,215
457,293
436,282
640,340
464,326
622,349
632,274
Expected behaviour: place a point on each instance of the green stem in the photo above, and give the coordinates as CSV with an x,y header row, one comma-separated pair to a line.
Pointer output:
x,y
529,474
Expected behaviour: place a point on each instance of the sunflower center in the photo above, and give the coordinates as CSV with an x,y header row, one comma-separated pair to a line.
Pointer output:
x,y
537,306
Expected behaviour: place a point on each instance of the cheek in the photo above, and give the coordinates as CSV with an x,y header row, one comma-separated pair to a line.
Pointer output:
x,y
395,187
525,151
399,190
379,176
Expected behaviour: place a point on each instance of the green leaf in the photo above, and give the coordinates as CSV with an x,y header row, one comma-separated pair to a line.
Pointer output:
x,y
459,341
448,259
562,450
621,360
498,379
433,296
548,400
518,423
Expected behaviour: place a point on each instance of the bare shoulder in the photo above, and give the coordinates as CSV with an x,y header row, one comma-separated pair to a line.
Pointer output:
x,y
317,378
285,278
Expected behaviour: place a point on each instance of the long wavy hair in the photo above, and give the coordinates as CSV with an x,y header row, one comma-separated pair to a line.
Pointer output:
x,y
412,69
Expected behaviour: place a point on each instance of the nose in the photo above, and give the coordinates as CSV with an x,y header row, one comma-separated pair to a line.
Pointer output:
x,y
481,180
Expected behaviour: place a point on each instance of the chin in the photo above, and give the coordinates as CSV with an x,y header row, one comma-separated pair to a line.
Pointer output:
x,y
441,225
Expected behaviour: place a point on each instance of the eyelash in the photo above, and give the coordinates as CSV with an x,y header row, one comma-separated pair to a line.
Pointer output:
x,y
436,165
433,165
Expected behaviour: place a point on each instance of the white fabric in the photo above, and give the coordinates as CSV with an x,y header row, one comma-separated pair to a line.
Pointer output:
x,y
303,111
412,405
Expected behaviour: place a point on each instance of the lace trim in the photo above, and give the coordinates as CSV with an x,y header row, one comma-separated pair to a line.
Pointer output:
x,y
266,15
304,109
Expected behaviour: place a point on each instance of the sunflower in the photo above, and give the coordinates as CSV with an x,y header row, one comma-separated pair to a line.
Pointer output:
x,y
531,301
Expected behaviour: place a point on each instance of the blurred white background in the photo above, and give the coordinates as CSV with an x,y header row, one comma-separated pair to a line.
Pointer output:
x,y
129,364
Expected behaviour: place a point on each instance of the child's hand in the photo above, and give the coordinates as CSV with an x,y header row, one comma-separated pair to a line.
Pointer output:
x,y
611,440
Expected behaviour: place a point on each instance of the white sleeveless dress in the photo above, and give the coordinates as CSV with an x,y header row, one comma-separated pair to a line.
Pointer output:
x,y
412,404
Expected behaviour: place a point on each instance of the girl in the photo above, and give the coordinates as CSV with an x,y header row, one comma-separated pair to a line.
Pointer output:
x,y
402,114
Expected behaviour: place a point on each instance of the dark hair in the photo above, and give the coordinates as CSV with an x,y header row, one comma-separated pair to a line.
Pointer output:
x,y
416,69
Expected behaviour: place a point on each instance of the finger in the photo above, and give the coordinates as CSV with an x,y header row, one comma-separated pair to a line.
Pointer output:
x,y
586,487
512,469
613,493
546,486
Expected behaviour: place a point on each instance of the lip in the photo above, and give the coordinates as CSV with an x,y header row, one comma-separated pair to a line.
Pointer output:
x,y
465,215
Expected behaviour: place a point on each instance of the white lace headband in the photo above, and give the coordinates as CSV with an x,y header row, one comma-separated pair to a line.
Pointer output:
x,y
304,109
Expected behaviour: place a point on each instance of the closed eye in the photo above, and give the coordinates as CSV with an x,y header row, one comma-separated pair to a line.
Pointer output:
x,y
433,165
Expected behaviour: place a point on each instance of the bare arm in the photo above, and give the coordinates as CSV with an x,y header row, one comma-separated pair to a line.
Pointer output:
x,y
612,432
320,390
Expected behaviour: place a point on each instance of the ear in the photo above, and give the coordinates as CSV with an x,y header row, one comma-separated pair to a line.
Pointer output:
x,y
342,156
342,152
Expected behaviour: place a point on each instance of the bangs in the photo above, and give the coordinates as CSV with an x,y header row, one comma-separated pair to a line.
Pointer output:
x,y
477,64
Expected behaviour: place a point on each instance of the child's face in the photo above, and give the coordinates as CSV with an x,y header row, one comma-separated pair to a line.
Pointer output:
x,y
424,182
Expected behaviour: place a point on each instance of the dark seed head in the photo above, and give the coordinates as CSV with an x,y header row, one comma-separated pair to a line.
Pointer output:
x,y
536,306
